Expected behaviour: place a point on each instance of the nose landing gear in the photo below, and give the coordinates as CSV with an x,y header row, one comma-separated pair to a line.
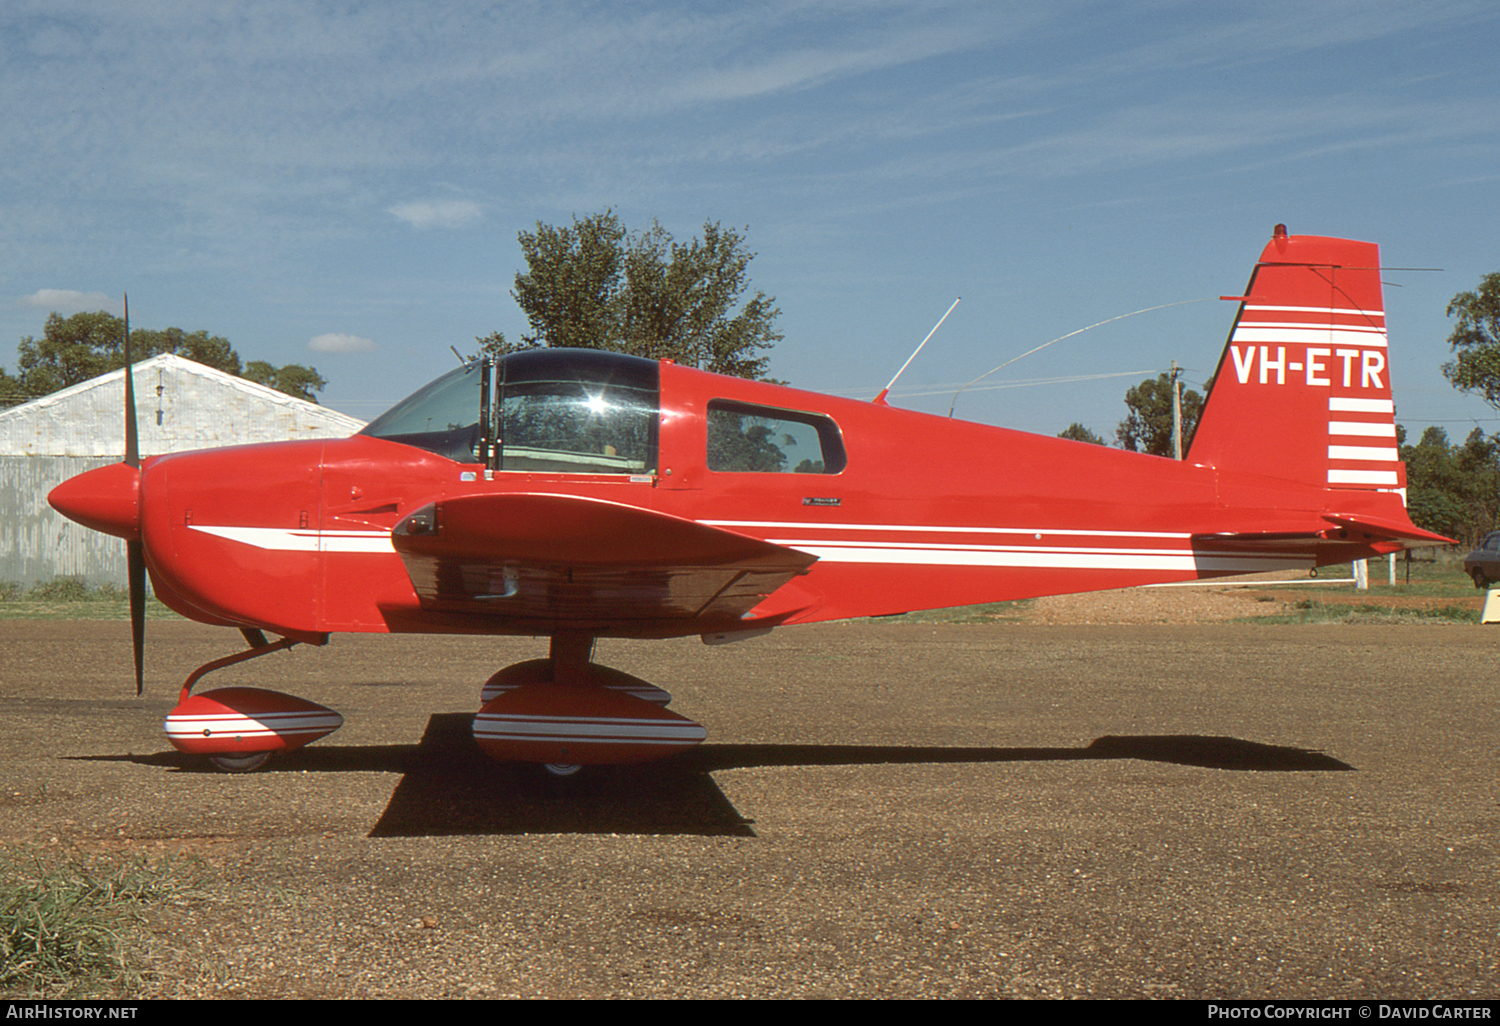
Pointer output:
x,y
239,728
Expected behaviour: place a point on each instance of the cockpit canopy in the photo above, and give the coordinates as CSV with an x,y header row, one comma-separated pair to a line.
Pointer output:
x,y
541,410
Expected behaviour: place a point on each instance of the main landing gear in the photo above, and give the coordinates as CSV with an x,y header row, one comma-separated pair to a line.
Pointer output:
x,y
563,712
566,712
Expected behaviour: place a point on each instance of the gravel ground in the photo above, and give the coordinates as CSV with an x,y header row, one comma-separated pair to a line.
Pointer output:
x,y
882,809
1178,605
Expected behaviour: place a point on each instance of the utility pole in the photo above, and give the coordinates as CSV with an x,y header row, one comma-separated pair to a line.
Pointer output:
x,y
1176,414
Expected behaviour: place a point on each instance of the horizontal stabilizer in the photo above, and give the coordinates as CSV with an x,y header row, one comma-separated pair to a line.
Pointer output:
x,y
1360,529
1387,529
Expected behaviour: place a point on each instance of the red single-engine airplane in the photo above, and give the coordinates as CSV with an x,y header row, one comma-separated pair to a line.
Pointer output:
x,y
581,494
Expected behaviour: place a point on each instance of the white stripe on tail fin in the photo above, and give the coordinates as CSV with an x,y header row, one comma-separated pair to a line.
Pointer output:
x,y
1303,388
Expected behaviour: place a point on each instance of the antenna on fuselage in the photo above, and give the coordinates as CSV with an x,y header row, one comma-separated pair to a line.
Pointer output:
x,y
1080,331
886,390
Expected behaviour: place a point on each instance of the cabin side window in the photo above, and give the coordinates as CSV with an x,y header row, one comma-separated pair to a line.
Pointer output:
x,y
745,438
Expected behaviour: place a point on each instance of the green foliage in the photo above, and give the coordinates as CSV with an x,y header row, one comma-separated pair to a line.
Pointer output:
x,y
199,346
1148,428
293,379
65,931
1076,432
494,345
1453,489
60,589
1476,341
86,345
1315,611
571,290
597,285
69,598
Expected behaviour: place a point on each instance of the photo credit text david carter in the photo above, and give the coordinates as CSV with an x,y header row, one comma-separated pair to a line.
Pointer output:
x,y
1352,1010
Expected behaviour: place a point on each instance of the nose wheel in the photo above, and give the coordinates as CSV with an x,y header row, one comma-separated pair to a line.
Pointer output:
x,y
239,728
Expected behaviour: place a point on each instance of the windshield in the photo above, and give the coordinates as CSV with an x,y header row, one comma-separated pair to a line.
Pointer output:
x,y
578,411
443,417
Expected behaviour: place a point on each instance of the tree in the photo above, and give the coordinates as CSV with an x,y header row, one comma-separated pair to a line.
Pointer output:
x,y
12,391
293,379
1476,341
571,291
1148,428
1078,433
1453,489
199,346
597,285
86,345
494,345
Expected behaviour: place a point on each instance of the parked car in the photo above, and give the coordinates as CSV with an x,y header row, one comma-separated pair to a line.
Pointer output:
x,y
1483,564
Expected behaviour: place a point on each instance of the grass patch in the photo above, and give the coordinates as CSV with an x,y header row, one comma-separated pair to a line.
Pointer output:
x,y
69,598
71,589
989,612
78,929
1311,610
1442,592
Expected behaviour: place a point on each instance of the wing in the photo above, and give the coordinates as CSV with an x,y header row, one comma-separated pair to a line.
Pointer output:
x,y
571,563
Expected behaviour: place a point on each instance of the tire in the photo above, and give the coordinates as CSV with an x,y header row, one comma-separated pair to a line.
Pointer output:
x,y
247,763
1480,581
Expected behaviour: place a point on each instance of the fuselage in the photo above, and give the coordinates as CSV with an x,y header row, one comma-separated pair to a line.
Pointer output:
x,y
579,494
903,511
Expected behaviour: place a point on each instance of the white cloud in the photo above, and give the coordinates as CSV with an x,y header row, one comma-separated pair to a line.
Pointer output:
x,y
337,343
66,301
438,213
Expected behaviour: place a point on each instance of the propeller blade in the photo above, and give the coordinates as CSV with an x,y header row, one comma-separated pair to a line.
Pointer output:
x,y
135,557
135,551
132,445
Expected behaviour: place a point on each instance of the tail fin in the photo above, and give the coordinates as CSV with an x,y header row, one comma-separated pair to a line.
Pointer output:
x,y
1303,391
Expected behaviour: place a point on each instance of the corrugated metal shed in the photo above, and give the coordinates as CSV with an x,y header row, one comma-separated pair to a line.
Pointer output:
x,y
180,405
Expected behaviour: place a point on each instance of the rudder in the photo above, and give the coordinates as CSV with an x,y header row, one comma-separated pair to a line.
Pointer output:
x,y
1302,390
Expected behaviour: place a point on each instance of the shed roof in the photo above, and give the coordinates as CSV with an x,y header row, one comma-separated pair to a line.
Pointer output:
x,y
180,405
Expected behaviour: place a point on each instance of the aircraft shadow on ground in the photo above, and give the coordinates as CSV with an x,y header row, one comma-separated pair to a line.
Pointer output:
x,y
449,787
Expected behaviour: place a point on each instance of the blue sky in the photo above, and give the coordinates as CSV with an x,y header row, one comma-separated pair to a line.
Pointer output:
x,y
341,184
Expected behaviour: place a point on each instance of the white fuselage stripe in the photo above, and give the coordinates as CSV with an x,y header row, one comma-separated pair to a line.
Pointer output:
x,y
1036,532
303,540
1055,559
